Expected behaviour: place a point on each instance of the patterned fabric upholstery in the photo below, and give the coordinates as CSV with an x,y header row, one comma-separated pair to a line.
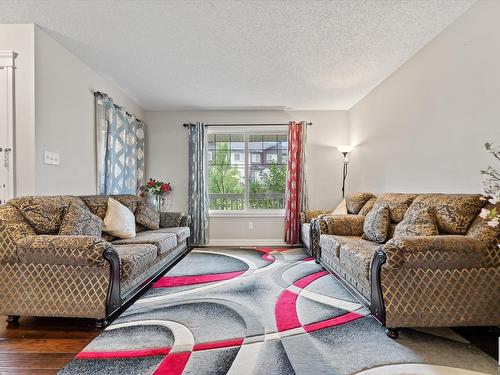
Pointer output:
x,y
135,258
305,236
174,219
163,241
376,223
345,225
79,221
356,201
69,250
147,216
398,203
367,206
454,212
67,275
182,233
485,233
439,252
419,220
44,214
313,214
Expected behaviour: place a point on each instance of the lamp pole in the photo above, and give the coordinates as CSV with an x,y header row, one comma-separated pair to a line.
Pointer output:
x,y
344,150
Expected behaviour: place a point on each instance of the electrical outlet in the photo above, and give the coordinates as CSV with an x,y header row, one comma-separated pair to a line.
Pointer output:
x,y
250,225
51,158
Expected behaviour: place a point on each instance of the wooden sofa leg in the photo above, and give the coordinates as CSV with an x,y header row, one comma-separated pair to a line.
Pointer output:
x,y
393,333
101,323
13,319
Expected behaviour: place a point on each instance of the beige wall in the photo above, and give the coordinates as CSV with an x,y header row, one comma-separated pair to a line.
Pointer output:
x,y
423,129
167,157
21,39
65,117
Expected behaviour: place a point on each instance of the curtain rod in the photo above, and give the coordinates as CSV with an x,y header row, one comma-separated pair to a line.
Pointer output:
x,y
252,124
99,93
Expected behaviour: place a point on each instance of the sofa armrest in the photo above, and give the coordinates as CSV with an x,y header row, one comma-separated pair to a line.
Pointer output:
x,y
308,216
437,252
174,219
64,250
343,225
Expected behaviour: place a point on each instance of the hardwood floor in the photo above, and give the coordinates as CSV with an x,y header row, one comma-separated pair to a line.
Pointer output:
x,y
41,346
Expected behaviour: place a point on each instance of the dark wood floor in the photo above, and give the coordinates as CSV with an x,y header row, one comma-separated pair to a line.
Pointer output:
x,y
40,346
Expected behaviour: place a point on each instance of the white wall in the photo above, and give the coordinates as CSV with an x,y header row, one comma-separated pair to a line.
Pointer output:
x,y
423,129
21,39
65,121
167,158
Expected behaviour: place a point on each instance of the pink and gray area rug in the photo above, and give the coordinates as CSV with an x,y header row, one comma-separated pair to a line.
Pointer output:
x,y
264,311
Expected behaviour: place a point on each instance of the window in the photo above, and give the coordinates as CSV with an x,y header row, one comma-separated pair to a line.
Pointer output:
x,y
210,155
247,171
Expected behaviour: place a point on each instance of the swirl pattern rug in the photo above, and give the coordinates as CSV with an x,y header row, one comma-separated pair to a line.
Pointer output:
x,y
264,311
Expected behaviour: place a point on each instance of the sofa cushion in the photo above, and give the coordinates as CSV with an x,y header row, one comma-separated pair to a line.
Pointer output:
x,y
484,232
398,203
135,258
182,233
164,242
367,206
331,243
376,223
356,256
119,220
98,204
146,216
44,214
345,225
419,220
355,201
341,209
79,221
454,212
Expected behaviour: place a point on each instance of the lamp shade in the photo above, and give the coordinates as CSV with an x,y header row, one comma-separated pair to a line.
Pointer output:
x,y
345,148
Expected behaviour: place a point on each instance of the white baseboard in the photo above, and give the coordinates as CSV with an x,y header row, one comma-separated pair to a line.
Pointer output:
x,y
246,242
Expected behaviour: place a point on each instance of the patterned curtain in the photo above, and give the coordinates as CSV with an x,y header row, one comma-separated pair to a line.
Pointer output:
x,y
120,148
197,186
296,188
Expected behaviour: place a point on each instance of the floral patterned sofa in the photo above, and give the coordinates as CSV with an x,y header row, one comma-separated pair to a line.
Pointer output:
x,y
46,272
418,260
356,204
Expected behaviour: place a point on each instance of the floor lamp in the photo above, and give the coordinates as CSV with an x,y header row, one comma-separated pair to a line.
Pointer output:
x,y
344,150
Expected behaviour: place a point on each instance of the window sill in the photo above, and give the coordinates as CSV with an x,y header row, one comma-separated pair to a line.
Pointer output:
x,y
248,213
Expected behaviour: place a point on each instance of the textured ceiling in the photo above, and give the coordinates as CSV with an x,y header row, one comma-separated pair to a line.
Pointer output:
x,y
241,54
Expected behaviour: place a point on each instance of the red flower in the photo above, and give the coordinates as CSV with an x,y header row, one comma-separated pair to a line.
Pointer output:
x,y
165,187
141,194
151,183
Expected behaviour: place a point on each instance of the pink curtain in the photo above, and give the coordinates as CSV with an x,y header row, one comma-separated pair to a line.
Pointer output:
x,y
296,192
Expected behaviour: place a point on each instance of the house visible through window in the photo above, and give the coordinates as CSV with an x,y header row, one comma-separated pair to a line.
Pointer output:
x,y
247,171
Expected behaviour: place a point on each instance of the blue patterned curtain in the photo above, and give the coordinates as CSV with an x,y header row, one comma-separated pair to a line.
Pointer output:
x,y
120,148
197,186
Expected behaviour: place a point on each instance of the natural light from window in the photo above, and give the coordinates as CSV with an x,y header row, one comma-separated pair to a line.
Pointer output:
x,y
247,171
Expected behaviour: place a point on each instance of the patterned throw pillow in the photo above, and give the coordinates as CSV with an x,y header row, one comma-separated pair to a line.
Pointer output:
x,y
145,215
418,221
79,221
376,225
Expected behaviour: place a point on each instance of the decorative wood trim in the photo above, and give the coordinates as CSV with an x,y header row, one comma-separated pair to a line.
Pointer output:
x,y
377,301
113,301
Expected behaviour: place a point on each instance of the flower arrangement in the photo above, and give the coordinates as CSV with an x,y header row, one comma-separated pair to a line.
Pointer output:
x,y
154,187
491,188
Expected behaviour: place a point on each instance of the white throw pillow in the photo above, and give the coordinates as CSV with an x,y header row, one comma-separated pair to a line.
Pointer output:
x,y
341,208
119,220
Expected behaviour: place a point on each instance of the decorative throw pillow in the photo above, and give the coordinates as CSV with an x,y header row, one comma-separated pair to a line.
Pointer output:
x,y
341,209
376,225
418,221
147,216
79,221
119,220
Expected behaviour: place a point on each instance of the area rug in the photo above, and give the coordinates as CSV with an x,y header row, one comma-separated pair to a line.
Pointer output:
x,y
264,311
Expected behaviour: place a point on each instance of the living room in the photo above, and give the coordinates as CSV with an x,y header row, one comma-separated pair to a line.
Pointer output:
x,y
250,187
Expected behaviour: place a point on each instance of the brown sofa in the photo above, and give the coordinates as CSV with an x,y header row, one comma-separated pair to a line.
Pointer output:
x,y
356,203
43,273
417,260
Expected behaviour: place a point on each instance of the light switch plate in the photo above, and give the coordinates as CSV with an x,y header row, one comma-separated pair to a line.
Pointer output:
x,y
52,158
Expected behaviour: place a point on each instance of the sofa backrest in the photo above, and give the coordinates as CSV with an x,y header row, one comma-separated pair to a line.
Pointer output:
x,y
45,213
398,203
454,212
355,202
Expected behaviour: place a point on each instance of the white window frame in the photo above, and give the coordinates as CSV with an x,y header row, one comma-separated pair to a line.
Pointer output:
x,y
247,131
